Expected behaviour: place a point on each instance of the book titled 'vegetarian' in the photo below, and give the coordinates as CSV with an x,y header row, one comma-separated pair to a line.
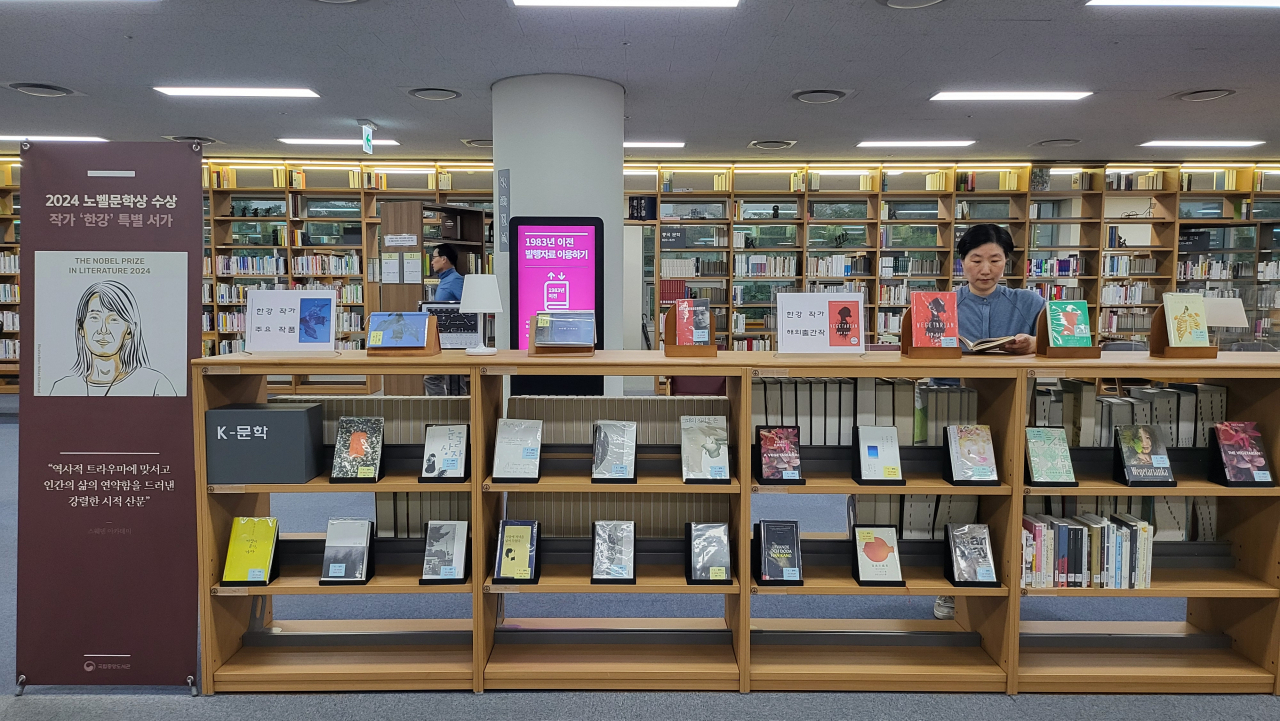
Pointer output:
x,y
778,448
933,320
357,454
1239,446
876,556
778,553
445,558
1049,458
1141,457
613,552
704,449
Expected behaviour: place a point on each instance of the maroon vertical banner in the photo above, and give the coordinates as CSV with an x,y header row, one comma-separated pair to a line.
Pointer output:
x,y
111,273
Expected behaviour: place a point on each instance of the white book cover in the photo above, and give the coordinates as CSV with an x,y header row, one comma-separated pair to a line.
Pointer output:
x,y
446,550
517,448
973,457
444,450
614,551
614,453
704,447
878,453
877,554
346,550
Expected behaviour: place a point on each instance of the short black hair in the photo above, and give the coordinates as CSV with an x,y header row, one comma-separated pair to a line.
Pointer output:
x,y
449,253
980,235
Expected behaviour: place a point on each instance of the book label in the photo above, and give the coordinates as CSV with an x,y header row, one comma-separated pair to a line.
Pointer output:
x,y
790,475
717,573
449,464
337,569
529,453
791,574
448,572
257,574
1160,461
719,471
366,472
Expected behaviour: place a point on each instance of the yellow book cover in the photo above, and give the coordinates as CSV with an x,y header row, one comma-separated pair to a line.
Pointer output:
x,y
516,544
252,549
1185,318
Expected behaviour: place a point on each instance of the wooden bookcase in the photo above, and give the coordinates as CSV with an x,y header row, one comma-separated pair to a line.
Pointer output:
x,y
10,175
1230,642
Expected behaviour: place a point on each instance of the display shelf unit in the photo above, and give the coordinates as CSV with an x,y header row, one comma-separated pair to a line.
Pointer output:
x,y
10,235
1230,642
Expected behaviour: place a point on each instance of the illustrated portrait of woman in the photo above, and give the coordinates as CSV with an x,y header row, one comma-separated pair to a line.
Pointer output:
x,y
111,353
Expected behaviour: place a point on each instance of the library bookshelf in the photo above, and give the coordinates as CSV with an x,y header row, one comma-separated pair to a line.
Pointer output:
x,y
1229,643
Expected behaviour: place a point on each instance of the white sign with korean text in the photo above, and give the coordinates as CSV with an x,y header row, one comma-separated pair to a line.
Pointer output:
x,y
820,323
290,320
404,240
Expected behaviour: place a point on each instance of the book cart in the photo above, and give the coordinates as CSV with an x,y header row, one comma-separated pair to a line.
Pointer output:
x,y
1228,644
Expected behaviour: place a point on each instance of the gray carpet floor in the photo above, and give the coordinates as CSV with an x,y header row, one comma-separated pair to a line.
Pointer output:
x,y
309,513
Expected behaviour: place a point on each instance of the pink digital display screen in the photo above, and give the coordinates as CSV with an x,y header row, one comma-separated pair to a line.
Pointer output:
x,y
556,268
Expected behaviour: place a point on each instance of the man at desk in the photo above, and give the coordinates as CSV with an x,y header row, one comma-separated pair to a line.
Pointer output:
x,y
985,308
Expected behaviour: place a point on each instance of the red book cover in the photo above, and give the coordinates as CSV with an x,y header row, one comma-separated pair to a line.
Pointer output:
x,y
933,320
684,321
844,320
1242,456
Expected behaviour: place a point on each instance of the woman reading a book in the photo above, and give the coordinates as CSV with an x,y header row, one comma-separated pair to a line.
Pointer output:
x,y
985,308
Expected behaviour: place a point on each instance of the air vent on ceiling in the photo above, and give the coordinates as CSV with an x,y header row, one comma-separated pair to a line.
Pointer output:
x,y
477,143
909,4
434,94
42,90
771,144
1058,143
818,97
191,139
1201,96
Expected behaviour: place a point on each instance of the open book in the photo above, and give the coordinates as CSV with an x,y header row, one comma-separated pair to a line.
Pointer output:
x,y
986,344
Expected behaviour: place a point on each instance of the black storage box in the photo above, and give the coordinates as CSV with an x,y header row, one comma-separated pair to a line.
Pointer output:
x,y
263,443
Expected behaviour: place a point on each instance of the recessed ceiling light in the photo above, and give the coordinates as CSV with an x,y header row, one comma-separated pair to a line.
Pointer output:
x,y
1193,3
478,143
771,144
656,144
435,94
1201,96
818,97
333,141
203,140
1058,142
909,4
240,92
916,143
1202,143
627,3
1014,95
54,138
42,90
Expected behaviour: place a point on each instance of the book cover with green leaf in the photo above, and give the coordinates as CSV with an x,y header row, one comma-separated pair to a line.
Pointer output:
x,y
1049,456
1069,324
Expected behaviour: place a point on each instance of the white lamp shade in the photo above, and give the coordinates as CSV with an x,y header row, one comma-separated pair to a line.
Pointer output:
x,y
480,294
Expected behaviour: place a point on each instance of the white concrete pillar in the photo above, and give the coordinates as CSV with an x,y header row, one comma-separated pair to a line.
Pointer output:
x,y
560,136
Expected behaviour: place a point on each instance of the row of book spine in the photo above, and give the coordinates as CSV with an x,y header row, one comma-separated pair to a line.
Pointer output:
x,y
1041,180
10,293
1206,268
764,266
1068,267
1269,270
1086,551
888,322
1124,320
694,267
236,292
1126,265
230,322
9,349
815,286
252,265
326,264
1153,180
838,265
741,323
348,322
1220,180
230,346
967,181
8,320
1054,291
1184,412
350,344
902,265
347,292
753,344
1127,293
9,263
